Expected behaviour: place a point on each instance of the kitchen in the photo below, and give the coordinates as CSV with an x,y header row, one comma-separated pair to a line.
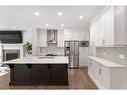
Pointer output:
x,y
56,47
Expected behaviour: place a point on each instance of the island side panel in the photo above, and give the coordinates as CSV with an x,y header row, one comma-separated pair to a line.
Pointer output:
x,y
20,75
11,66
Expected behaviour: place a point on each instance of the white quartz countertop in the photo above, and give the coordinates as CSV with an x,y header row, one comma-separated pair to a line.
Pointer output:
x,y
105,62
39,60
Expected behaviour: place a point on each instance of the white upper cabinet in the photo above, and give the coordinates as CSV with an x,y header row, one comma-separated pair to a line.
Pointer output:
x,y
108,34
60,38
76,34
92,34
42,38
109,27
120,24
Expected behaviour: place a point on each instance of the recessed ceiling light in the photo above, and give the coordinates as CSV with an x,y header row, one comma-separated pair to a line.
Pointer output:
x,y
59,13
46,25
37,13
62,24
80,17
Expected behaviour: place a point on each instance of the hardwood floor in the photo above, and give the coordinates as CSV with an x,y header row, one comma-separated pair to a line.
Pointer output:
x,y
78,79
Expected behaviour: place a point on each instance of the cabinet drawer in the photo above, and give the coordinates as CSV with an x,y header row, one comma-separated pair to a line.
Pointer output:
x,y
40,66
22,66
59,66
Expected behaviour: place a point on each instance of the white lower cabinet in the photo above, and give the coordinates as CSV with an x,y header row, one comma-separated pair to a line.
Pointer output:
x,y
107,77
103,76
92,69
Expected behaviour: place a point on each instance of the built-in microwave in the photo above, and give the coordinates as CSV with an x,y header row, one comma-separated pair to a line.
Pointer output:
x,y
84,44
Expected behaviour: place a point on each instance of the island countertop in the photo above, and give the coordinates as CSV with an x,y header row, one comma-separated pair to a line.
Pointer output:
x,y
39,60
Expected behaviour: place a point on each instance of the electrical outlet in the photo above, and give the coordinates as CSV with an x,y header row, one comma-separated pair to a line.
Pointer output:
x,y
121,56
104,53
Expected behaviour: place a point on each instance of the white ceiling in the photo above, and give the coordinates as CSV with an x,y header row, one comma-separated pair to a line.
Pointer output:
x,y
23,16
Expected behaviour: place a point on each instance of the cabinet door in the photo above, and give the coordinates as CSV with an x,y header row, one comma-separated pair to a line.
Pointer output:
x,y
42,37
60,37
90,67
109,27
93,68
120,25
22,74
40,74
92,34
96,39
104,29
100,72
59,74
67,34
103,76
98,29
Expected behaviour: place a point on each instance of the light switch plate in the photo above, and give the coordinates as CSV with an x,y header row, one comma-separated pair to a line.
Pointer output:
x,y
121,56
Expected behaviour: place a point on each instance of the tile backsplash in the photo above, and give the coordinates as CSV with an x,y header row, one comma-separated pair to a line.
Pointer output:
x,y
114,54
50,49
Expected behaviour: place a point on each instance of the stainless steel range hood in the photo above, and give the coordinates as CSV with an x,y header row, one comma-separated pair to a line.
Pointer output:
x,y
52,36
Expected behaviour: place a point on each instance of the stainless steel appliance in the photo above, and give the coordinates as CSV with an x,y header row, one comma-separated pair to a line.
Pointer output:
x,y
84,43
52,36
71,49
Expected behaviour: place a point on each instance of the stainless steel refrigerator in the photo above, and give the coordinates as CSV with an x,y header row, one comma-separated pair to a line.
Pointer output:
x,y
72,51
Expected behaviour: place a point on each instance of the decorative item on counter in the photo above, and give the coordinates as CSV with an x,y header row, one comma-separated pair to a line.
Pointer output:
x,y
28,47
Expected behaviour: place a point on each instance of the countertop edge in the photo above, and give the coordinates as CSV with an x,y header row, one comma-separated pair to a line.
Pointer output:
x,y
106,63
35,60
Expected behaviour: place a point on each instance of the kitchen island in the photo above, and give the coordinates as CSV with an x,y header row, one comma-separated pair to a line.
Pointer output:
x,y
39,70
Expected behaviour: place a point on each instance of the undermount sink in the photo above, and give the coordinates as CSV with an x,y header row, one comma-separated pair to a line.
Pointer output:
x,y
48,57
